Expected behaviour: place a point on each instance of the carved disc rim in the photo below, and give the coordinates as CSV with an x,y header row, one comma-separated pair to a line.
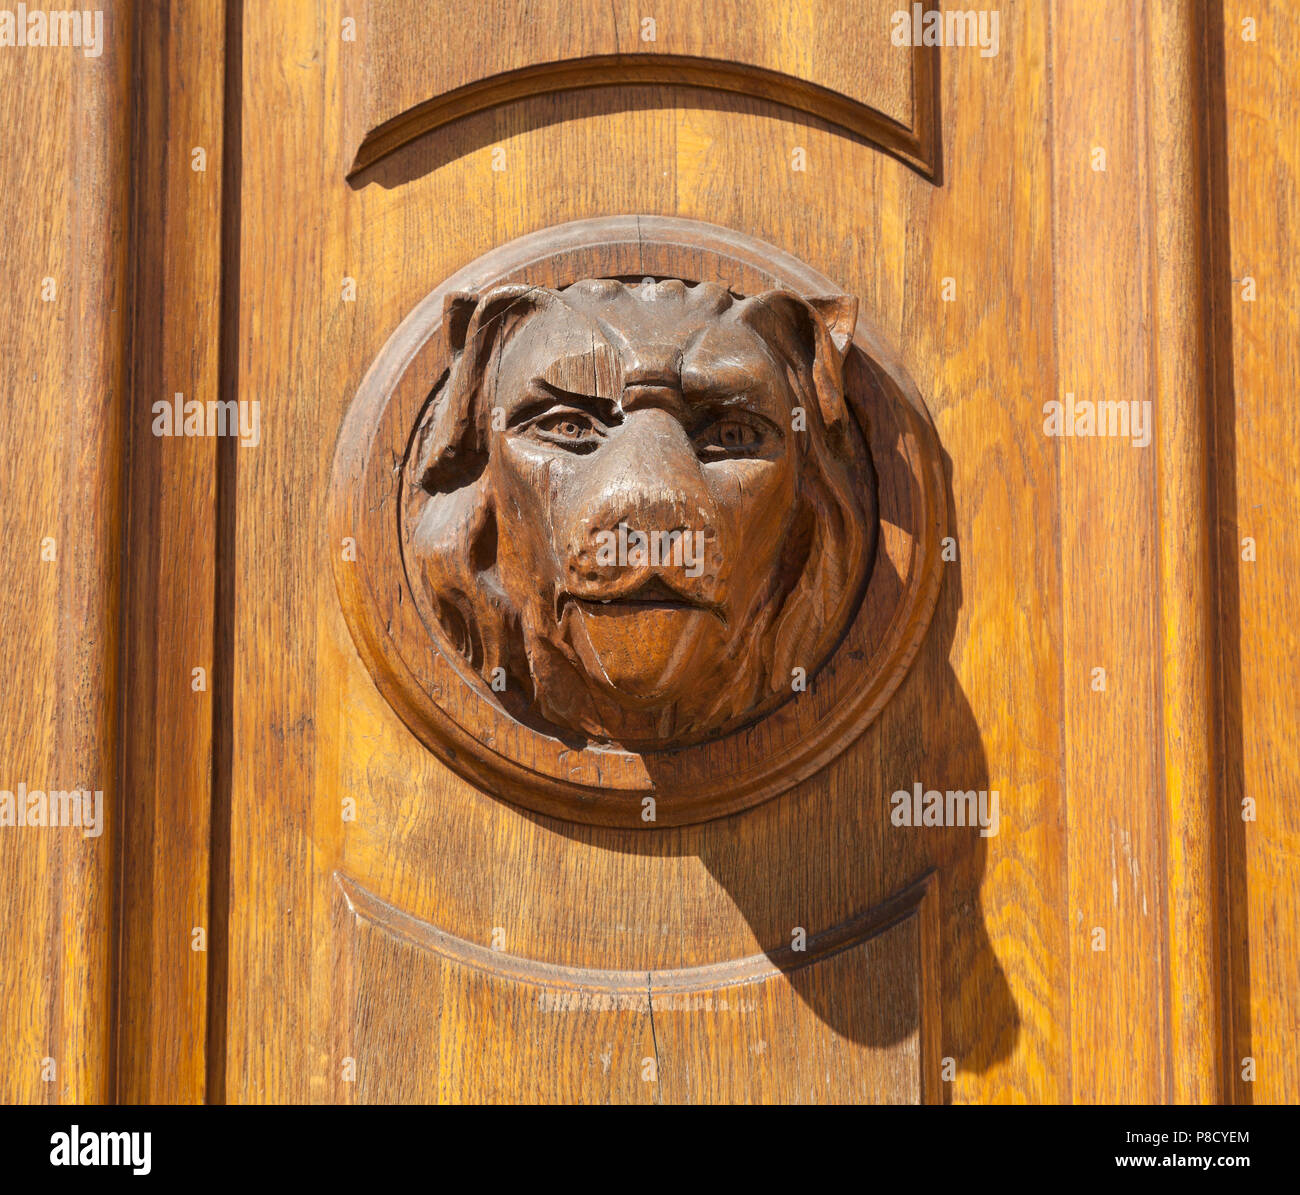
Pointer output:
x,y
601,785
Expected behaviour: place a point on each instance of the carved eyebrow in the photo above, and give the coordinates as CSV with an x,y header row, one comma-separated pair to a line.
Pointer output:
x,y
721,383
604,409
596,371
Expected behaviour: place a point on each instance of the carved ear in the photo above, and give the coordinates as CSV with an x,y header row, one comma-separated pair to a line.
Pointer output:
x,y
450,446
460,306
826,339
457,310
840,314
479,318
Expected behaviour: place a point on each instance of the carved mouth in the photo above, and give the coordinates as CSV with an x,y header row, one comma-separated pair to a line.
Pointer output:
x,y
653,594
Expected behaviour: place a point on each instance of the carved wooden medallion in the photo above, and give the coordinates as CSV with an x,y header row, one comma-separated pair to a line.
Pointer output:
x,y
647,521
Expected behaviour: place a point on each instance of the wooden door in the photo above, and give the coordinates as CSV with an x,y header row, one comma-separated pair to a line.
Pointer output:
x,y
958,771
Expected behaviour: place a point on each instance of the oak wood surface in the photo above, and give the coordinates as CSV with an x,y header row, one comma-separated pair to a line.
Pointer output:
x,y
63,272
1256,434
171,543
692,896
480,739
381,929
1069,279
423,68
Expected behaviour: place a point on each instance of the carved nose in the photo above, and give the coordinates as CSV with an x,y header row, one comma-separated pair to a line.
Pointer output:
x,y
651,477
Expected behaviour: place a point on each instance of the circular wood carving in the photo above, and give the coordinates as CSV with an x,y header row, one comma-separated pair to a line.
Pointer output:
x,y
647,521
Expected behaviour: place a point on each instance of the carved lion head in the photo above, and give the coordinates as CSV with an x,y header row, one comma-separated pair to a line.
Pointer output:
x,y
642,512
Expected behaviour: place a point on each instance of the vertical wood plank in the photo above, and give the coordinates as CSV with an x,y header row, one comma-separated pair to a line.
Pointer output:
x,y
170,594
1113,763
1257,433
62,352
282,221
1177,149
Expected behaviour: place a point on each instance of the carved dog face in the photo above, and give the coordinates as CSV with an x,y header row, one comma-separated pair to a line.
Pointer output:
x,y
638,510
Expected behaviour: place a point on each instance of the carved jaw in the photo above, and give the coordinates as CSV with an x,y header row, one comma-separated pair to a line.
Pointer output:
x,y
638,644
645,675
624,662
638,699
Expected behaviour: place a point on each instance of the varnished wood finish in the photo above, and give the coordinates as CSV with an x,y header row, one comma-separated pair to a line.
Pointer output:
x,y
1113,787
381,925
913,146
171,547
742,1021
1256,434
64,167
397,632
424,69
1187,224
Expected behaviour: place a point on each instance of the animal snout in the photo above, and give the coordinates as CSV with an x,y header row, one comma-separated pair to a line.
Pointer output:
x,y
643,506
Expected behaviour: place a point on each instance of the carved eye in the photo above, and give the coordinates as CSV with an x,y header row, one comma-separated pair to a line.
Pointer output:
x,y
569,429
728,437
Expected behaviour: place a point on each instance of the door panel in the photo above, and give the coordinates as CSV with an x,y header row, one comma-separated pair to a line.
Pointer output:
x,y
423,70
64,274
1067,533
441,851
758,1027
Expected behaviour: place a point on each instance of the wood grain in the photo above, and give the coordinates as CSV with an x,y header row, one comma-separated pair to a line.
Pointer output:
x,y
62,375
1257,432
312,728
1017,272
419,70
170,597
1185,227
659,1031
